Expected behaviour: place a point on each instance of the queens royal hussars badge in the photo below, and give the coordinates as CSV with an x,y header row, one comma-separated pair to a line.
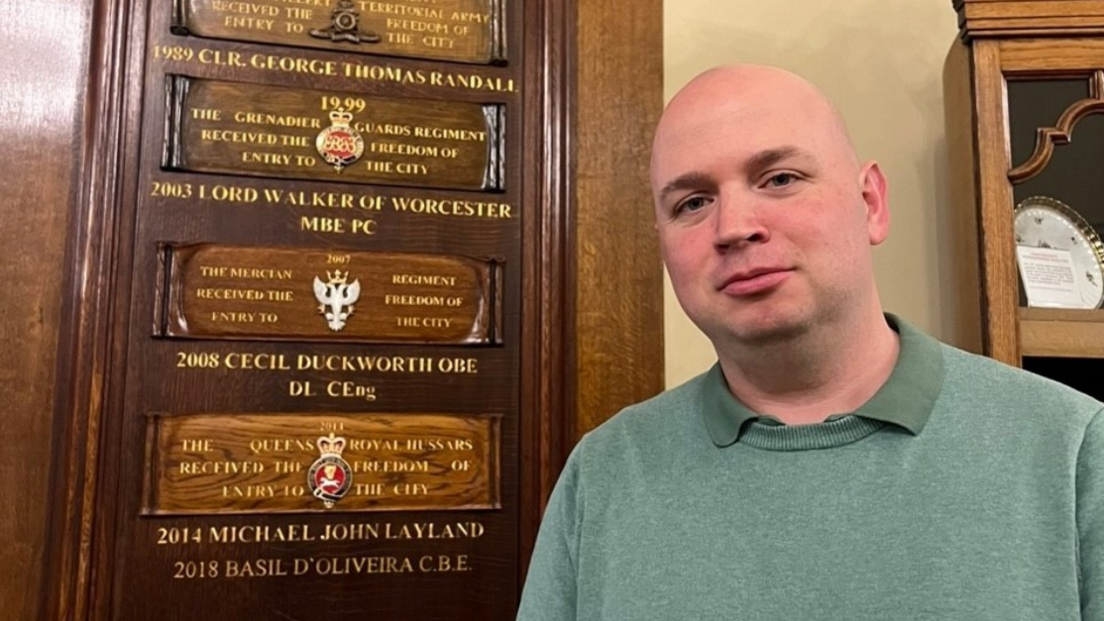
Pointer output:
x,y
339,144
330,476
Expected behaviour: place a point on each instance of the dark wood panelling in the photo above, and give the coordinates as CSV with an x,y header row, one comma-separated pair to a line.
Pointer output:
x,y
41,104
618,276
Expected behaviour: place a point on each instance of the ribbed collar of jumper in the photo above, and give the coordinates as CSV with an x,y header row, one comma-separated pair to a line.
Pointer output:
x,y
905,401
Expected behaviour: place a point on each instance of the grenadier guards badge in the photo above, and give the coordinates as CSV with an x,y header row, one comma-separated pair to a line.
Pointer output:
x,y
330,476
339,144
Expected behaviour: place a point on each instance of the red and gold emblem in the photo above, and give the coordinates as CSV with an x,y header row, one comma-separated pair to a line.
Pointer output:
x,y
330,476
339,144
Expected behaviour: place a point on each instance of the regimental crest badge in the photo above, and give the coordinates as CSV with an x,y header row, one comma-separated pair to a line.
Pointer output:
x,y
345,26
330,476
336,297
339,144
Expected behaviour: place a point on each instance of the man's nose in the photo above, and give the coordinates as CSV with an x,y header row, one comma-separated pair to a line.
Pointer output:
x,y
738,222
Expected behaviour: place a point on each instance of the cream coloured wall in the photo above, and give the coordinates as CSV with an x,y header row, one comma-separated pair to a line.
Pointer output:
x,y
881,62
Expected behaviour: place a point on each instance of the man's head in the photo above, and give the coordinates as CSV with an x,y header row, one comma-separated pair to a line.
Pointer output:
x,y
766,218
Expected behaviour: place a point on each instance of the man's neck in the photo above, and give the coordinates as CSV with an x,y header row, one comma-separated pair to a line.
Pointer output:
x,y
806,379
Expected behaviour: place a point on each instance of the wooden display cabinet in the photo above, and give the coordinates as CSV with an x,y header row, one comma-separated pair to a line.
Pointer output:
x,y
1024,96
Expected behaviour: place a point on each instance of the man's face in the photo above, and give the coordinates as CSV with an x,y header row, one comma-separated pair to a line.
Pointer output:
x,y
765,219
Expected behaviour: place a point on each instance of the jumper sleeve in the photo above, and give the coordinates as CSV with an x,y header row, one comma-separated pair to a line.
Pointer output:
x,y
550,587
1090,519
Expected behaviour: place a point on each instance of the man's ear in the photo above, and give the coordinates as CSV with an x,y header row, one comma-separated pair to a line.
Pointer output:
x,y
875,193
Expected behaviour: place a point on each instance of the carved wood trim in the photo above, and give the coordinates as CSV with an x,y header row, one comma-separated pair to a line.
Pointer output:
x,y
1005,18
998,269
964,265
1062,133
87,332
546,353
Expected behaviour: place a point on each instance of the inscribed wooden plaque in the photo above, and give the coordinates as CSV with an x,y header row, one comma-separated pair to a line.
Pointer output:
x,y
279,463
469,31
272,131
232,292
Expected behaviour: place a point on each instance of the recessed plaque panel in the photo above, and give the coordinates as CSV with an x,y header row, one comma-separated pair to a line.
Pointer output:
x,y
271,463
468,31
233,292
270,131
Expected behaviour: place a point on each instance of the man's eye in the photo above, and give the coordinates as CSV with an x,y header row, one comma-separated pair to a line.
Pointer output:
x,y
693,203
781,180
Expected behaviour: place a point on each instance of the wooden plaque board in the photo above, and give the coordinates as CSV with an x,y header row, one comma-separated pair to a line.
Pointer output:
x,y
468,31
271,131
378,298
96,198
232,292
219,464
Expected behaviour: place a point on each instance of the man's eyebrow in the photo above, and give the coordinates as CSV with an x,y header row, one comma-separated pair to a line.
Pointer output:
x,y
765,159
684,182
757,163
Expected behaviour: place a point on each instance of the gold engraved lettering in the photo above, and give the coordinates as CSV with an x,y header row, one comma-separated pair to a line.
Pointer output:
x,y
254,23
319,199
421,279
287,467
204,114
355,531
230,294
257,568
195,446
190,570
218,57
271,159
355,70
387,8
221,467
244,8
444,563
423,300
245,361
277,120
259,446
383,129
200,360
260,534
179,536
256,362
321,224
248,491
293,65
382,364
390,466
351,389
342,565
171,190
297,388
451,207
242,317
231,194
415,150
445,133
423,322
227,135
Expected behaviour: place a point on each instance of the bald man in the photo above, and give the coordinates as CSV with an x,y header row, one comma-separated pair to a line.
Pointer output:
x,y
836,463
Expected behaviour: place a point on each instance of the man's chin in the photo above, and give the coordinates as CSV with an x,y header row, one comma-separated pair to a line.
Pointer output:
x,y
761,331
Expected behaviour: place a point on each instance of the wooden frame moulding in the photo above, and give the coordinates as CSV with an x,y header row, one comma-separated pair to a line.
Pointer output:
x,y
1025,18
1057,332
